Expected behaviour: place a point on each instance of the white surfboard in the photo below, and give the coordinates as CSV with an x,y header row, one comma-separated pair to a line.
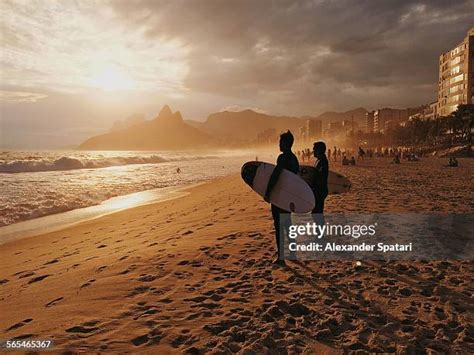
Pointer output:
x,y
337,183
291,193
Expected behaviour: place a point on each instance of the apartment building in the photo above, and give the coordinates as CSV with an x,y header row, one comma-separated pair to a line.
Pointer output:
x,y
456,76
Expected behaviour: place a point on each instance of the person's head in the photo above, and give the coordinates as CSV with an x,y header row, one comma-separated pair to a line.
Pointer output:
x,y
319,149
286,141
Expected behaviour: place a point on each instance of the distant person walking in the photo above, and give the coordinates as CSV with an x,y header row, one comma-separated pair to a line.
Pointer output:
x,y
361,154
321,181
281,218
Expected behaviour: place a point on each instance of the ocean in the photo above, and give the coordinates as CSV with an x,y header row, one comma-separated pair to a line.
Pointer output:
x,y
42,183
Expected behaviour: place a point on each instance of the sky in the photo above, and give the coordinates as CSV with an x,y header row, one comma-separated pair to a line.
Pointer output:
x,y
69,69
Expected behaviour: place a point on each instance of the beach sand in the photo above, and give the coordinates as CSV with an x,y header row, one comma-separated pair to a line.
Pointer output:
x,y
194,274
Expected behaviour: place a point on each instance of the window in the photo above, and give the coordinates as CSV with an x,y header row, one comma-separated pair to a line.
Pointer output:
x,y
455,70
456,79
455,61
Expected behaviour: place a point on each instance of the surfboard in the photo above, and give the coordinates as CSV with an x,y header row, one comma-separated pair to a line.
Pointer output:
x,y
337,183
291,193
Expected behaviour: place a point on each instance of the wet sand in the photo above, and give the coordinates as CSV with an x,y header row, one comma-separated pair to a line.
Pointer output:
x,y
194,274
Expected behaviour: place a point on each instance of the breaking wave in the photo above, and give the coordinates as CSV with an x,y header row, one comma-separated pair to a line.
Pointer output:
x,y
73,163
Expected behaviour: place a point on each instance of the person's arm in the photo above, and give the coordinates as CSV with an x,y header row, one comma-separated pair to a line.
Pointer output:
x,y
274,178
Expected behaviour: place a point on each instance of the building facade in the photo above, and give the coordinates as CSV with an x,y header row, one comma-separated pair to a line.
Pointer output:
x,y
385,119
456,76
311,130
314,128
369,122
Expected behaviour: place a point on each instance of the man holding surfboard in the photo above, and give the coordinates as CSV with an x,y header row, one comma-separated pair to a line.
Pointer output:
x,y
286,160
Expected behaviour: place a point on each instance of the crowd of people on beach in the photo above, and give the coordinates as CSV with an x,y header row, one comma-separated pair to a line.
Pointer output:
x,y
347,156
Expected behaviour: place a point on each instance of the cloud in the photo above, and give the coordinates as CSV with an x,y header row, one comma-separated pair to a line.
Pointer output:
x,y
73,46
311,55
284,57
17,96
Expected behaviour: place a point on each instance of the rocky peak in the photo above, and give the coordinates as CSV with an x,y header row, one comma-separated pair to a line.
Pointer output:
x,y
165,113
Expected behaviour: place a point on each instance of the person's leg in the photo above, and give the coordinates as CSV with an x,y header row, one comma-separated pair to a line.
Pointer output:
x,y
276,224
285,222
318,211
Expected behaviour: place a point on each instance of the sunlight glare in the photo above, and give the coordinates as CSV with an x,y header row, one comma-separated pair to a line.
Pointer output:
x,y
112,78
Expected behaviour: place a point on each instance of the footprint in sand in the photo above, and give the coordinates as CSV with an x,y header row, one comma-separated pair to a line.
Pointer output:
x,y
81,329
142,339
88,283
147,278
24,336
38,278
23,274
53,302
102,268
19,324
138,290
54,261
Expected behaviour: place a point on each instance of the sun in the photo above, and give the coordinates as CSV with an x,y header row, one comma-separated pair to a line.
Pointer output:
x,y
112,78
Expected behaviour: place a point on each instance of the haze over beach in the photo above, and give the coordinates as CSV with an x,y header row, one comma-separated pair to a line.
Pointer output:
x,y
141,210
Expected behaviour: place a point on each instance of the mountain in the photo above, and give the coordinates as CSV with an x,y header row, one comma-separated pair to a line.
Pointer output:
x,y
245,125
241,126
128,122
166,131
358,114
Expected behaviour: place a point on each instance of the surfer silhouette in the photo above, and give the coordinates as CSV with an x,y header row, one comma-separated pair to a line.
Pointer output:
x,y
320,190
286,160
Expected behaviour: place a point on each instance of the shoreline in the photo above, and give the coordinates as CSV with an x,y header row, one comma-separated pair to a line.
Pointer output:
x,y
63,220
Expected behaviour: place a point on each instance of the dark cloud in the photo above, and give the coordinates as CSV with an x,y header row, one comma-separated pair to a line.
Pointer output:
x,y
308,56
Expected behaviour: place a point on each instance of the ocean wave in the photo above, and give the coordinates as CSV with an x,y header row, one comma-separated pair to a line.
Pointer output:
x,y
74,163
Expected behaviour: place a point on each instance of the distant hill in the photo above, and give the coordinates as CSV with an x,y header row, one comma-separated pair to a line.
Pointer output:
x,y
245,125
167,131
358,114
128,122
229,128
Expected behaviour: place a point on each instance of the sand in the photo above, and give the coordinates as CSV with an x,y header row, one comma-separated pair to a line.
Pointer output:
x,y
194,274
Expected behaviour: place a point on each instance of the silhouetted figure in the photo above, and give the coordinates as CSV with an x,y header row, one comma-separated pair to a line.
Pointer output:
x,y
320,188
345,161
453,162
361,154
178,170
286,160
352,161
396,159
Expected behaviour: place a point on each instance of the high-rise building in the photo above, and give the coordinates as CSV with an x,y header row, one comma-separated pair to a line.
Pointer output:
x,y
314,128
385,119
369,122
456,76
